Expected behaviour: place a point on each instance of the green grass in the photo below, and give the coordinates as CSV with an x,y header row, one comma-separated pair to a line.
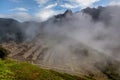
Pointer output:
x,y
14,70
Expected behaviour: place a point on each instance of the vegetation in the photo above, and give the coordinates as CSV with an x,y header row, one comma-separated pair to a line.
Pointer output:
x,y
14,70
3,53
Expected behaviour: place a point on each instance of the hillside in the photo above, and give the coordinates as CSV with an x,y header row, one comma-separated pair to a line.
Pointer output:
x,y
17,70
14,70
36,54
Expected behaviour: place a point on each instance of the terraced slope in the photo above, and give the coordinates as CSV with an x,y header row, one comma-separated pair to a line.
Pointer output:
x,y
69,57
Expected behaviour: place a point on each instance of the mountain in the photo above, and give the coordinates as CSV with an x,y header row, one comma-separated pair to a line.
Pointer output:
x,y
10,29
59,44
66,13
94,12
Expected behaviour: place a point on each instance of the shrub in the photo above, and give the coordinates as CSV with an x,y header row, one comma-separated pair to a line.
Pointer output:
x,y
3,53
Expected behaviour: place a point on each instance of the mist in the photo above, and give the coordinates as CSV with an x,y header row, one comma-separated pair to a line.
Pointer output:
x,y
102,34
77,40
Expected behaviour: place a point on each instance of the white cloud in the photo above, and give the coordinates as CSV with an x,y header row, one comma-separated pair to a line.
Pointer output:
x,y
51,6
20,16
66,5
41,1
19,9
114,2
46,11
46,14
24,16
85,3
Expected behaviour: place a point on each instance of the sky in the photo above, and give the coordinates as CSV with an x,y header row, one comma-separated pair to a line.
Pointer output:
x,y
41,10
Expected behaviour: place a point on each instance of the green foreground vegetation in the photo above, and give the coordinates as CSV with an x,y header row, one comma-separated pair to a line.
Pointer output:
x,y
14,70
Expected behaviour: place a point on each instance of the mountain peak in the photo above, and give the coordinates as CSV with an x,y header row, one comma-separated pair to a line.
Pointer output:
x,y
68,12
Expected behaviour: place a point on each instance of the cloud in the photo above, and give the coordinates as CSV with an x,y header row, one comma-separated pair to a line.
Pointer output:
x,y
42,15
51,6
66,5
20,16
19,9
84,3
41,1
46,13
114,2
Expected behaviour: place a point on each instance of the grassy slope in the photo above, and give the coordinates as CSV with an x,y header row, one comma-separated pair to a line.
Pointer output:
x,y
13,70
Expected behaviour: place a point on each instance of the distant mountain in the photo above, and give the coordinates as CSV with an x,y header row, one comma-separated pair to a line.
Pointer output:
x,y
67,12
10,29
94,12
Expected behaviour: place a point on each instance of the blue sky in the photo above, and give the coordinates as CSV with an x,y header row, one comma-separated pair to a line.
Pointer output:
x,y
24,10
